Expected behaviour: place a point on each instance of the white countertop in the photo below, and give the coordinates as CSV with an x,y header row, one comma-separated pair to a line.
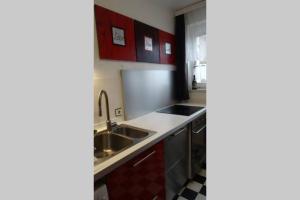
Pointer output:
x,y
163,124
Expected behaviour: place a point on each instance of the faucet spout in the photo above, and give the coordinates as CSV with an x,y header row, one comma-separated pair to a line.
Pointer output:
x,y
108,122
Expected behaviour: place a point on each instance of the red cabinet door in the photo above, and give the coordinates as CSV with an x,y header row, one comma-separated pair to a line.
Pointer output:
x,y
141,178
106,20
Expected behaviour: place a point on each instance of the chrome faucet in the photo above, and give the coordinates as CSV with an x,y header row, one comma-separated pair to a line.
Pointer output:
x,y
108,122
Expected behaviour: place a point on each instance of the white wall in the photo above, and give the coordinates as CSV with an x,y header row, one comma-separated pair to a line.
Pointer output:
x,y
107,73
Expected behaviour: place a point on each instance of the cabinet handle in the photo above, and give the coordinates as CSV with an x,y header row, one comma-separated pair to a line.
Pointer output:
x,y
196,132
177,133
143,159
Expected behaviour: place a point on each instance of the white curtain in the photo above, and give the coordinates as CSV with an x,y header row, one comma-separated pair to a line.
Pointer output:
x,y
196,48
196,35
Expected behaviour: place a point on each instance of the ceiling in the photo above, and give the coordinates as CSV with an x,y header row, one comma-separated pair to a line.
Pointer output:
x,y
176,4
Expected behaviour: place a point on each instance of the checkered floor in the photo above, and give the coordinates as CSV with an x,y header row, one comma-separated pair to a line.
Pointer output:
x,y
195,189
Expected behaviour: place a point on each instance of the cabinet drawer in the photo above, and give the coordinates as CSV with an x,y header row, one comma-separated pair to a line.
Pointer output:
x,y
140,178
154,152
199,122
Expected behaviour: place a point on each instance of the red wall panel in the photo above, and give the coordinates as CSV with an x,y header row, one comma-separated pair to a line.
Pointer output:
x,y
169,38
105,20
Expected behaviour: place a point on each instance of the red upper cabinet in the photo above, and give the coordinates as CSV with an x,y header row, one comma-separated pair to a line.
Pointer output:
x,y
147,43
115,33
167,48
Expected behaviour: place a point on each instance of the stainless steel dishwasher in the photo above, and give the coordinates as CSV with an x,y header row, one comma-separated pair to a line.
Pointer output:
x,y
176,161
198,144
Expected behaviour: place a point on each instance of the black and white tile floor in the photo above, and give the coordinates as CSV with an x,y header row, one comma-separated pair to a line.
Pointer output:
x,y
194,189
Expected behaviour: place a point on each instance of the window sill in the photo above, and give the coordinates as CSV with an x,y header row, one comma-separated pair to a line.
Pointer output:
x,y
203,90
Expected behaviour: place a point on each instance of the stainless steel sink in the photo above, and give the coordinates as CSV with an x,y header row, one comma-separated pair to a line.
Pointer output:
x,y
122,137
131,132
108,144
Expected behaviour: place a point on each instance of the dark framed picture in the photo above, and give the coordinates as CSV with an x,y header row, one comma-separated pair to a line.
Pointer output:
x,y
168,49
118,36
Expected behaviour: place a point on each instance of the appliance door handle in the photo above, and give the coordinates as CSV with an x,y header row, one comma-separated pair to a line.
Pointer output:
x,y
177,133
143,159
201,129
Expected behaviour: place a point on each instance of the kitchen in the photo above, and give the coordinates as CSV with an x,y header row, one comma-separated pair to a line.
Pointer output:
x,y
149,103
133,72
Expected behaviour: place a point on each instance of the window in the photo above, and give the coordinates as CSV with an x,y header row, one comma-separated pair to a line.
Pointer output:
x,y
196,47
200,65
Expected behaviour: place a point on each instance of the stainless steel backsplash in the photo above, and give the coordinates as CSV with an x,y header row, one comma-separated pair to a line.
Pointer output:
x,y
146,90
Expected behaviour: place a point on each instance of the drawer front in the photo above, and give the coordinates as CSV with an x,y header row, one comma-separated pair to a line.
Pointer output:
x,y
140,178
199,122
176,147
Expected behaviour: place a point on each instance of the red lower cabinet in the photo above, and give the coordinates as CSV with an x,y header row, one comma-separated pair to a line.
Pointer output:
x,y
141,178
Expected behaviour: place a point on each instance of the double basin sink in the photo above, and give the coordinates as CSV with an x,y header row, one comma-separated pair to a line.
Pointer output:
x,y
122,137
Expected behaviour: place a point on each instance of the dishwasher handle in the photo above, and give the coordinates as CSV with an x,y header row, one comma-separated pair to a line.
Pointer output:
x,y
199,130
177,133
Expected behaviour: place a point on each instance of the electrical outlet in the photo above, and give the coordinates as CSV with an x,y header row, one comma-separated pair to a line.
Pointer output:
x,y
118,112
